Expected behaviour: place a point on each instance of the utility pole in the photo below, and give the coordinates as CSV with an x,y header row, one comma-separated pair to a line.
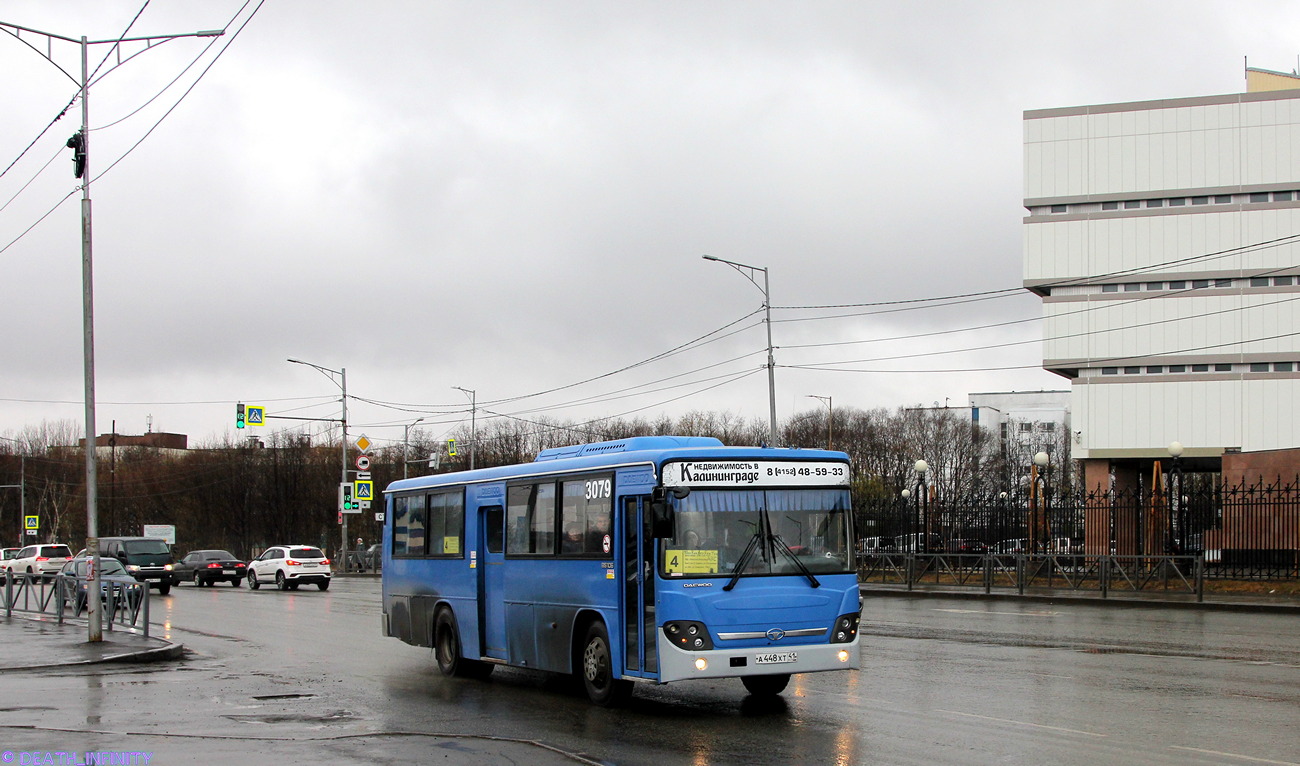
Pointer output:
x,y
767,319
473,411
80,144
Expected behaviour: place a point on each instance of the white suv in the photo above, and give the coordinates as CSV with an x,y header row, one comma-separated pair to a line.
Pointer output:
x,y
289,566
44,560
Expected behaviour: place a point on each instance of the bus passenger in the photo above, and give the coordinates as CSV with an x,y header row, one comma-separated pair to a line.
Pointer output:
x,y
572,539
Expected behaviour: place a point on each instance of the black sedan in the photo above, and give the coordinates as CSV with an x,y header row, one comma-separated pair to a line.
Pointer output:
x,y
211,567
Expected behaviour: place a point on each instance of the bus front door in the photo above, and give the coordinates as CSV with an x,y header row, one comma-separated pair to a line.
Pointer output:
x,y
639,647
491,579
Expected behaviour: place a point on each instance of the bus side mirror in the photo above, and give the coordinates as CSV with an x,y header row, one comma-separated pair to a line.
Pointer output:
x,y
662,518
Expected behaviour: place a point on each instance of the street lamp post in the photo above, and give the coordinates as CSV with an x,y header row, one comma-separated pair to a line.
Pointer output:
x,y
1178,543
1038,517
767,319
406,445
80,144
830,415
473,413
342,383
922,544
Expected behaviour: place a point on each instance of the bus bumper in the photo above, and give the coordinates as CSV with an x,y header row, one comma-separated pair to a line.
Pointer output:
x,y
676,664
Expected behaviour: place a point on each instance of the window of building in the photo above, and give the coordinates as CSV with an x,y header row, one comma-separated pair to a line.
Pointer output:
x,y
1109,370
1155,369
1026,427
1198,284
1223,367
1132,287
1180,285
1259,197
1200,368
1110,206
1110,288
1132,204
1155,285
1200,200
1222,199
1049,427
1283,366
1155,203
1259,366
1060,208
1177,202
1132,370
1259,281
1223,283
1178,368
1281,196
1282,281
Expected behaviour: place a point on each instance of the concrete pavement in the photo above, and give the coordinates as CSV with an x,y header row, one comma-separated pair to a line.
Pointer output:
x,y
32,641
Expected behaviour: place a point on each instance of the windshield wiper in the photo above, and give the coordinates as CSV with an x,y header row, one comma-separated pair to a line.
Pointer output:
x,y
798,564
744,560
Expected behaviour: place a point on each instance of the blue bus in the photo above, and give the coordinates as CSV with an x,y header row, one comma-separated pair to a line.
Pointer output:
x,y
649,559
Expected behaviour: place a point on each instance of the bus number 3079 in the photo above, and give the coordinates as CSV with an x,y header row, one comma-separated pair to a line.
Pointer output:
x,y
599,489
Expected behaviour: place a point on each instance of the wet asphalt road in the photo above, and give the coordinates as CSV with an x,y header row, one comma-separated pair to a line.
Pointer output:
x,y
306,675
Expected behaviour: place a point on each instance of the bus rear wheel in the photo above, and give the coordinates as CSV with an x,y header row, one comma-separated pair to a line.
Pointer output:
x,y
446,649
766,686
597,670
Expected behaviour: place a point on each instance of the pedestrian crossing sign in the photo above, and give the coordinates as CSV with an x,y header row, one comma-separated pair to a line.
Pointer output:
x,y
363,490
255,415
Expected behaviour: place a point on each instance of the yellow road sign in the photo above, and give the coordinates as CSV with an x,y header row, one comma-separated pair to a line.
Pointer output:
x,y
255,415
31,522
363,490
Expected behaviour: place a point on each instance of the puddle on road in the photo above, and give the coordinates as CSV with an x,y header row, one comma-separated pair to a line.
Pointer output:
x,y
329,717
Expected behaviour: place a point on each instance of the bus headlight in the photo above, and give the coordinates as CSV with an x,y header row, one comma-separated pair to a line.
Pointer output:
x,y
843,655
846,628
688,635
701,663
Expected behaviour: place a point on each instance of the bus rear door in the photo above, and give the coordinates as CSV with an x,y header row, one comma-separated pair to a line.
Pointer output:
x,y
491,582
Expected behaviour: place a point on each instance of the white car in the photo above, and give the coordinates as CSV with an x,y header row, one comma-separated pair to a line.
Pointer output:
x,y
289,566
45,560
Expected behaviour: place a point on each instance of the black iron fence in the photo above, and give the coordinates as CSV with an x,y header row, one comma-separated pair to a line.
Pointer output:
x,y
1236,531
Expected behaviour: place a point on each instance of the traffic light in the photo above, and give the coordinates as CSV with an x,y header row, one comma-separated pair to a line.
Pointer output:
x,y
346,503
239,416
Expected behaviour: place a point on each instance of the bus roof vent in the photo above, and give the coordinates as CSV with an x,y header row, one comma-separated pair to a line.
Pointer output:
x,y
632,444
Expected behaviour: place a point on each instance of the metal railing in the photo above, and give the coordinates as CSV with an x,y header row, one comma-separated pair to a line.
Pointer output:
x,y
1024,573
125,605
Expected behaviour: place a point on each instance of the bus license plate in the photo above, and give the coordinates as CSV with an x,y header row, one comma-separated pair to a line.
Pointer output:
x,y
776,659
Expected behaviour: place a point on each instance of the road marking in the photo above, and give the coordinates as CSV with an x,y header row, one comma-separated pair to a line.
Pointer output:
x,y
1027,723
1234,755
1013,614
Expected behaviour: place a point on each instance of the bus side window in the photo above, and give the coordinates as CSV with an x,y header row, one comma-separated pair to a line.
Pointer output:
x,y
495,533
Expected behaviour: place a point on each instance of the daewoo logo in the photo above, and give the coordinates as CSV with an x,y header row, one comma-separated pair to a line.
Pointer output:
x,y
775,634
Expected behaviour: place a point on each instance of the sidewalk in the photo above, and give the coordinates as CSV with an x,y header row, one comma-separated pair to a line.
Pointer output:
x,y
33,641
1158,599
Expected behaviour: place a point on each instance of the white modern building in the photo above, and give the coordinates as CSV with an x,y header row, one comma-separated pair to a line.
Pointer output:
x,y
1164,239
1025,422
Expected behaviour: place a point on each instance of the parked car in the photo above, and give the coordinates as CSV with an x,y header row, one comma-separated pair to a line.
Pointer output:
x,y
958,545
113,579
932,543
374,557
211,567
8,553
874,546
148,559
1010,547
289,566
45,560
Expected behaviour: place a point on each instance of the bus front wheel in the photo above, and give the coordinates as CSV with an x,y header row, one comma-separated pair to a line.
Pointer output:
x,y
597,670
446,648
765,685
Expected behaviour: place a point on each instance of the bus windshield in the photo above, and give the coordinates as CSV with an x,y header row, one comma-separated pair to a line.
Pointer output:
x,y
785,526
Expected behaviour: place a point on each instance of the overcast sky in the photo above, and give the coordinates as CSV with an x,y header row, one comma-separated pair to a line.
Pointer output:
x,y
513,197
